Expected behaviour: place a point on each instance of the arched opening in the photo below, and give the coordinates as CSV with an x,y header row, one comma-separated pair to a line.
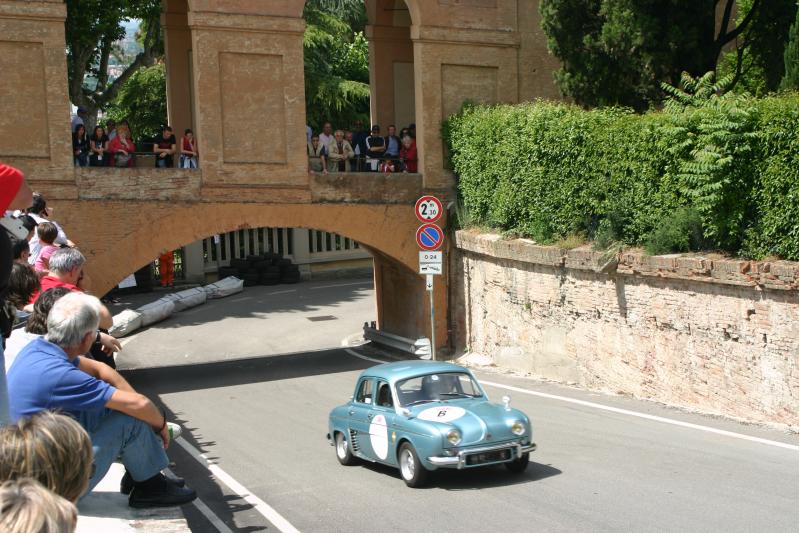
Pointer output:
x,y
391,62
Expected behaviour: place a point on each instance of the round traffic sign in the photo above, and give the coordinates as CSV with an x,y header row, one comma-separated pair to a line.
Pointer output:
x,y
428,209
429,237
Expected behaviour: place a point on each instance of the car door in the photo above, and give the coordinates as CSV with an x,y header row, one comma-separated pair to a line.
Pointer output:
x,y
360,417
381,424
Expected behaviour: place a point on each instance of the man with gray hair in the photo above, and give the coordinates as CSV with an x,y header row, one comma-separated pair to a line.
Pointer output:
x,y
66,270
51,374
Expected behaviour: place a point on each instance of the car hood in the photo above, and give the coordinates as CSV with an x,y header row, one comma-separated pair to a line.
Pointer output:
x,y
479,421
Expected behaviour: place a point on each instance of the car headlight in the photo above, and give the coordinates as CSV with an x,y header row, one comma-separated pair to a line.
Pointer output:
x,y
454,437
517,428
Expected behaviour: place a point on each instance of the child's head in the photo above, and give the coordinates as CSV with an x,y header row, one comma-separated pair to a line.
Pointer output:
x,y
47,232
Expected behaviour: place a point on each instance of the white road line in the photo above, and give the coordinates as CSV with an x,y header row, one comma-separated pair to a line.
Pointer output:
x,y
646,416
258,504
208,513
602,407
281,292
339,285
242,299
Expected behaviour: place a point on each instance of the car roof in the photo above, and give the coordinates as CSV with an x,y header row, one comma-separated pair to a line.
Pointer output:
x,y
400,370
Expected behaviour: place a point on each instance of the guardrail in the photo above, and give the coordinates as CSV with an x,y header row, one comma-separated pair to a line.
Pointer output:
x,y
418,347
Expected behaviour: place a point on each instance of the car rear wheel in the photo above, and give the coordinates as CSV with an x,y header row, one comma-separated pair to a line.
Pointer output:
x,y
517,466
413,472
343,453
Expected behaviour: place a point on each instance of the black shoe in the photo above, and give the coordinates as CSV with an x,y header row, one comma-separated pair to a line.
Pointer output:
x,y
161,493
126,485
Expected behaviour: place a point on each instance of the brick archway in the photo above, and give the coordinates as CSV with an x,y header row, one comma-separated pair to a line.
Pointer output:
x,y
119,237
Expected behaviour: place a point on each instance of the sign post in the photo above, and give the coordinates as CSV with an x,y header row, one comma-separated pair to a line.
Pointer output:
x,y
430,237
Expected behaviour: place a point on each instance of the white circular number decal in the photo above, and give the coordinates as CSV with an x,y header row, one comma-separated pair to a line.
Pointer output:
x,y
378,435
442,414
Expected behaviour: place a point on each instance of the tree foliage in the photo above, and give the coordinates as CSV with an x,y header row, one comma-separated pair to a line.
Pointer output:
x,y
336,63
92,28
790,79
142,101
617,52
712,169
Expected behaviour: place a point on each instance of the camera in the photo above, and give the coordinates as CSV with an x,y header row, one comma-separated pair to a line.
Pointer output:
x,y
14,226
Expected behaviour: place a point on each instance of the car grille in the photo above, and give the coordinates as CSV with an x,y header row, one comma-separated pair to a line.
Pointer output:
x,y
488,457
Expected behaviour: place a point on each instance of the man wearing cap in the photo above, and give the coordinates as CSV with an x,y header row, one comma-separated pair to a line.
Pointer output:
x,y
14,194
79,117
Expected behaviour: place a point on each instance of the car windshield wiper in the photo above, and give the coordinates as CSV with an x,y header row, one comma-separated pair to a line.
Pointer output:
x,y
417,402
459,394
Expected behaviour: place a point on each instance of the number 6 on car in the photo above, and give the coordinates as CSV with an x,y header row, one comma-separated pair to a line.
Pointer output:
x,y
420,416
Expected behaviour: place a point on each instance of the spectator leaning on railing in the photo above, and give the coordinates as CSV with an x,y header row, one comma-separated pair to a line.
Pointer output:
x,y
165,149
339,154
317,154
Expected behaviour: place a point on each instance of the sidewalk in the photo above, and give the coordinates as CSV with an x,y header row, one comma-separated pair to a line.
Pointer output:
x,y
106,510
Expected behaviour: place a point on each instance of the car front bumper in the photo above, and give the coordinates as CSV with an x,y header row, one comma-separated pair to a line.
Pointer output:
x,y
459,460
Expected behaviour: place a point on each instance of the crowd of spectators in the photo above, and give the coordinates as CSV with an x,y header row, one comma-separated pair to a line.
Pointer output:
x,y
56,356
359,150
113,145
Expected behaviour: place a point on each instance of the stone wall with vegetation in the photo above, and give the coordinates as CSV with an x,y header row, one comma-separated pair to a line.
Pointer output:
x,y
713,334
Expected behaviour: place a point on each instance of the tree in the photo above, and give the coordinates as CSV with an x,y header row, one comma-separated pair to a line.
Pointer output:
x,y
791,58
92,28
142,101
617,52
336,62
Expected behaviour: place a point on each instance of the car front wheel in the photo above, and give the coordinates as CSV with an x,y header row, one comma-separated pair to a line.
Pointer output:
x,y
413,472
517,466
343,453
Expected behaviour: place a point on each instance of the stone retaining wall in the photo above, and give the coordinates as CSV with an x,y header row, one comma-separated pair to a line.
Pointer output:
x,y
717,335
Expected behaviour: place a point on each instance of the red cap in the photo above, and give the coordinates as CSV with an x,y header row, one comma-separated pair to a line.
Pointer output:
x,y
10,182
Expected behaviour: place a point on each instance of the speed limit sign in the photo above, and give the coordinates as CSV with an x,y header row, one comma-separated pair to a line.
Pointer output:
x,y
429,209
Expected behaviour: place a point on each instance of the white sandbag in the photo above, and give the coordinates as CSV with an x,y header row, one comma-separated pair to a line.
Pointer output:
x,y
224,287
156,311
125,323
188,298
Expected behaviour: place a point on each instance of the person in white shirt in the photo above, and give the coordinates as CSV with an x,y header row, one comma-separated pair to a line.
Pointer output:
x,y
39,212
326,137
79,117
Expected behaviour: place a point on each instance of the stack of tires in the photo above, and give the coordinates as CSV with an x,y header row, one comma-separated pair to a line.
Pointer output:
x,y
267,269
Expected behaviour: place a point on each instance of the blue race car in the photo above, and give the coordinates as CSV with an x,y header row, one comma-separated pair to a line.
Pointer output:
x,y
423,415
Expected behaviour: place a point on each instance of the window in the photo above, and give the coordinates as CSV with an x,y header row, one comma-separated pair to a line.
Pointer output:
x,y
384,395
364,392
436,387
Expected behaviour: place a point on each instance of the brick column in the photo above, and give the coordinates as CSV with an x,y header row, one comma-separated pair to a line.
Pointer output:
x,y
34,101
249,86
179,83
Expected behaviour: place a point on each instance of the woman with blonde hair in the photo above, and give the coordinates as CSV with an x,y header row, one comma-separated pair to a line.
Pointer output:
x,y
27,507
51,448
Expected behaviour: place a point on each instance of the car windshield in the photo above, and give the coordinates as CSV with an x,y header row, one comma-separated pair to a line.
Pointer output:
x,y
436,387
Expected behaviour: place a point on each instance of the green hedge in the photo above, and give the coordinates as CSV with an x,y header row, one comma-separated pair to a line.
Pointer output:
x,y
549,170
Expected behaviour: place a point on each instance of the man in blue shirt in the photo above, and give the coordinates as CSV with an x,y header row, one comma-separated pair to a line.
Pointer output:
x,y
50,374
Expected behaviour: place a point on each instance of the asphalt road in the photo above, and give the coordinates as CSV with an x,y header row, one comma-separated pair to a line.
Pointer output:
x,y
262,418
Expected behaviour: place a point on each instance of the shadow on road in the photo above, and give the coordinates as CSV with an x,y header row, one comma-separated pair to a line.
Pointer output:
x,y
190,377
473,478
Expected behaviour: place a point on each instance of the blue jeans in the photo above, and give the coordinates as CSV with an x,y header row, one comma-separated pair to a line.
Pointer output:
x,y
4,416
116,435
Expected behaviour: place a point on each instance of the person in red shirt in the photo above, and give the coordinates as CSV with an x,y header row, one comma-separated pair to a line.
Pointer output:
x,y
166,269
14,194
122,148
408,155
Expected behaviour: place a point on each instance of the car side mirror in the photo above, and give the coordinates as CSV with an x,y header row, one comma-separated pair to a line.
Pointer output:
x,y
406,412
506,401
